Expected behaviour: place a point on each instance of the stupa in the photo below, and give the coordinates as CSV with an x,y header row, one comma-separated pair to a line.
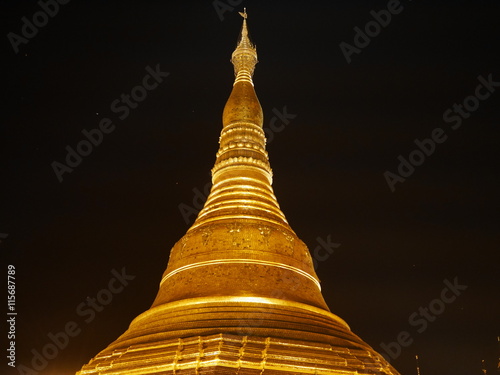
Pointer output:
x,y
240,294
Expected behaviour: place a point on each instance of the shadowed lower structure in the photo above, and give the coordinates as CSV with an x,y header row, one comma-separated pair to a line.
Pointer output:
x,y
240,294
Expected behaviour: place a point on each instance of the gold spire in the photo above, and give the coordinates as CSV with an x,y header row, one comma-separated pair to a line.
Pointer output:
x,y
244,57
239,295
242,176
241,228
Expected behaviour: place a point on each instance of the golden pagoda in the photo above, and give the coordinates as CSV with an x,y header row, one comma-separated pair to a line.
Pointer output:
x,y
240,294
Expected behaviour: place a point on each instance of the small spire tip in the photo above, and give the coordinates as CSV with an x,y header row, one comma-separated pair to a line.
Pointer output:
x,y
244,13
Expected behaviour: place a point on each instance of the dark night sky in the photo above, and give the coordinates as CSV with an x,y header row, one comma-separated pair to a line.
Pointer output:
x,y
120,206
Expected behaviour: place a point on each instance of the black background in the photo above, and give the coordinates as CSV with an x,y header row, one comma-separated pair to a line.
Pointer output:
x,y
120,206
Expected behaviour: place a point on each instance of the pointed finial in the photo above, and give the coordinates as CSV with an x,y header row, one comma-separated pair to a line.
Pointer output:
x,y
244,56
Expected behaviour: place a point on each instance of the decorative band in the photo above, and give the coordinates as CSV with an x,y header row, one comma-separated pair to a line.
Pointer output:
x,y
240,261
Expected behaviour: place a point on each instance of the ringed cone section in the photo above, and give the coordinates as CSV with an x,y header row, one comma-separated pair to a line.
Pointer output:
x,y
241,243
242,175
